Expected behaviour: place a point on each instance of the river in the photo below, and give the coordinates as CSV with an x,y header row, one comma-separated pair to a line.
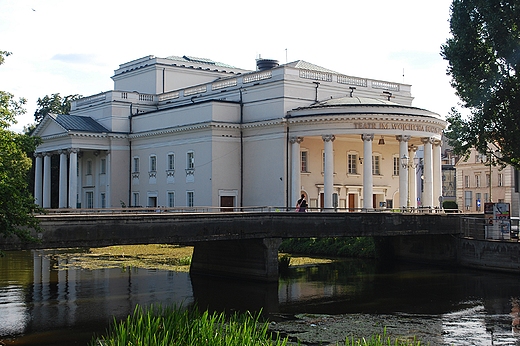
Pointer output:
x,y
45,302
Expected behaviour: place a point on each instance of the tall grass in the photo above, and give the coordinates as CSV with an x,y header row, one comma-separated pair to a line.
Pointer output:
x,y
158,326
381,340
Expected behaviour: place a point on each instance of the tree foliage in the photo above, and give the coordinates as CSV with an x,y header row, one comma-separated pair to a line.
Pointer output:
x,y
16,202
55,104
483,57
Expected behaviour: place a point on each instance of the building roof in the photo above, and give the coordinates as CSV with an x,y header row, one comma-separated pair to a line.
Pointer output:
x,y
355,100
304,65
193,59
78,123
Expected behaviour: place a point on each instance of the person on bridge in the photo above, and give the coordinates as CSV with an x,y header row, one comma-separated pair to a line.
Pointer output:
x,y
301,205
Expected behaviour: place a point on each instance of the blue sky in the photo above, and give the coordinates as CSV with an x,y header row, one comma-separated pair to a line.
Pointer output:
x,y
73,47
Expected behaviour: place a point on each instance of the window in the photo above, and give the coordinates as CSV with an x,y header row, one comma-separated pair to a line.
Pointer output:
x,y
189,199
90,199
190,160
89,167
397,163
376,170
103,168
488,180
477,180
135,199
352,163
171,162
304,162
103,200
153,163
478,201
500,179
171,199
466,181
468,197
136,164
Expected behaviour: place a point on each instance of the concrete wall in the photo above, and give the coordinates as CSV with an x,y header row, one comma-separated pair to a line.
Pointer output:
x,y
489,254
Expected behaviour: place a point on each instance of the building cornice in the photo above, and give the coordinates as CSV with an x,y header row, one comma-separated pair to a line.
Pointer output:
x,y
185,128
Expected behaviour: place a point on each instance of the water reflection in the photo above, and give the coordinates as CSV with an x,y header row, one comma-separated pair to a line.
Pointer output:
x,y
43,305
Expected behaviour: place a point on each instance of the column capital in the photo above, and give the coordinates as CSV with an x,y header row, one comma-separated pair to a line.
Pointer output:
x,y
367,136
437,142
63,151
295,139
47,153
403,138
426,140
38,155
73,150
328,138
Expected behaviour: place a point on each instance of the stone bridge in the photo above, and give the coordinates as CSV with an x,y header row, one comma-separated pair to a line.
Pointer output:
x,y
243,244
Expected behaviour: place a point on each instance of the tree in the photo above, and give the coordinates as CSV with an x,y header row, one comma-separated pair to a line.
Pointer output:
x,y
17,205
54,104
483,57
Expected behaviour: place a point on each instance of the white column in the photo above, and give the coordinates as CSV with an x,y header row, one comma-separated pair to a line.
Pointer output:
x,y
328,170
403,171
47,180
62,198
38,179
295,169
428,172
108,181
73,178
437,173
412,174
368,189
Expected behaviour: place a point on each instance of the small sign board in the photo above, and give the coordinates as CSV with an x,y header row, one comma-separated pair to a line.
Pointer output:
x,y
497,220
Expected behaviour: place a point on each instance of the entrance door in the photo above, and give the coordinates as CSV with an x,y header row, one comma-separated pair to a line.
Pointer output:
x,y
374,202
351,201
227,203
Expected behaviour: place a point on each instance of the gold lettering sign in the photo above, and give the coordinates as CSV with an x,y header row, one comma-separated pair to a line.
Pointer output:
x,y
402,126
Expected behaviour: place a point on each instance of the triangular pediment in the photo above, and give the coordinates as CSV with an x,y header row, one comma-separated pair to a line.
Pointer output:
x,y
48,127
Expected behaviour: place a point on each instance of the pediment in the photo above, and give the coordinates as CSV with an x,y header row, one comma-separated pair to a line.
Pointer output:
x,y
49,128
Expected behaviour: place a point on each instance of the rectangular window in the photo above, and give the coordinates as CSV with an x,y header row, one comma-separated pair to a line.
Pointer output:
x,y
304,157
171,199
171,162
352,163
103,200
375,165
153,163
477,180
190,160
189,199
89,167
488,180
135,197
397,163
500,179
466,181
103,168
136,165
90,199
468,199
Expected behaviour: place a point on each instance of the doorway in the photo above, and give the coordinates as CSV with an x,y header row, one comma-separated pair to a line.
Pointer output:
x,y
227,203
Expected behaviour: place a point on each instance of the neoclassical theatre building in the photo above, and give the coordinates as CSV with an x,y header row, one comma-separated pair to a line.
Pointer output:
x,y
186,132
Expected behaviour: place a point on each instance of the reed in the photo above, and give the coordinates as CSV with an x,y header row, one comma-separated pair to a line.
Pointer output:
x,y
158,326
381,340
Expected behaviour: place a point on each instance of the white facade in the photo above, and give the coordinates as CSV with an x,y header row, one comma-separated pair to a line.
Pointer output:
x,y
182,131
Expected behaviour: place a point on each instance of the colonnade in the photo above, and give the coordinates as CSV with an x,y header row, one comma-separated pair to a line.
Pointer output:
x,y
68,185
432,171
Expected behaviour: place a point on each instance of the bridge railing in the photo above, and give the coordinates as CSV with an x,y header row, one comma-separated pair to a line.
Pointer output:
x,y
250,209
489,228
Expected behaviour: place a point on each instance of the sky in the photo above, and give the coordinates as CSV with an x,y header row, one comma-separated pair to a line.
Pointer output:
x,y
73,47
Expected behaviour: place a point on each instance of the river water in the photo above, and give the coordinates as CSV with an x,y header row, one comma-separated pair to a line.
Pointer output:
x,y
44,302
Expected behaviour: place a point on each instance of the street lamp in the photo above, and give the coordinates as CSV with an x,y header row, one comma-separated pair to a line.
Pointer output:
x,y
407,163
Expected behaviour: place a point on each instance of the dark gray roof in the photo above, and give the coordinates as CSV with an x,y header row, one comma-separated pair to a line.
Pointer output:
x,y
77,123
304,65
193,59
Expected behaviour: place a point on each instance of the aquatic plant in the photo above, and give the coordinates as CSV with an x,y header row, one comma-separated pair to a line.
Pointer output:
x,y
158,326
381,340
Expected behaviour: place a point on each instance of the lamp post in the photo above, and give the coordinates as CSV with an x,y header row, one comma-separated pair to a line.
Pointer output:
x,y
405,164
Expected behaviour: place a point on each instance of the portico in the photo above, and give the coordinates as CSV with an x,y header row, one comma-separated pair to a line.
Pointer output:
x,y
382,137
